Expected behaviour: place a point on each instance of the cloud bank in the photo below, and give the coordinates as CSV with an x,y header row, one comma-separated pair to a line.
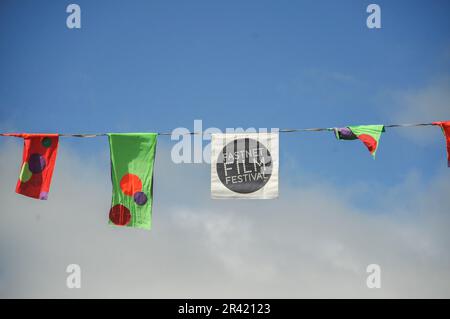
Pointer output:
x,y
311,242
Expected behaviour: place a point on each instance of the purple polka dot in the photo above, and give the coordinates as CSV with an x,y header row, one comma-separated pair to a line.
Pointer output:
x,y
346,134
43,195
36,163
140,198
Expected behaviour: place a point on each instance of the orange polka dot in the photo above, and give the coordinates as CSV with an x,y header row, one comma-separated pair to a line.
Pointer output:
x,y
130,184
369,141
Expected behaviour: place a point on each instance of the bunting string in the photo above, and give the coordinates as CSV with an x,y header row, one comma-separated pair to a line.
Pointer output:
x,y
243,165
284,130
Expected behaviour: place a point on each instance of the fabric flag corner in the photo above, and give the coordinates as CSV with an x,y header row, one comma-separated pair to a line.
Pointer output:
x,y
368,134
445,126
132,159
38,163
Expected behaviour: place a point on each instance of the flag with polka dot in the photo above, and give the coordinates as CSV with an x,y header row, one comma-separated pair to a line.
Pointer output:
x,y
132,158
368,134
38,163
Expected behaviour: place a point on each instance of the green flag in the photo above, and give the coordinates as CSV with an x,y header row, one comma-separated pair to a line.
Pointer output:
x,y
368,134
132,158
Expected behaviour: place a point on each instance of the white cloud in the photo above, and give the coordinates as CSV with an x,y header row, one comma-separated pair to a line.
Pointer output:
x,y
427,104
311,242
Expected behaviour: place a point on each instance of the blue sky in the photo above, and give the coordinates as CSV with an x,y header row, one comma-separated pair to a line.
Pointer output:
x,y
157,65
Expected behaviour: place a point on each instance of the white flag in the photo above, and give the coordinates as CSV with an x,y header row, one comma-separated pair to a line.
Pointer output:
x,y
244,165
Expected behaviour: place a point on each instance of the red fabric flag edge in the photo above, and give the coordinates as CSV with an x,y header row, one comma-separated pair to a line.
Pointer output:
x,y
445,126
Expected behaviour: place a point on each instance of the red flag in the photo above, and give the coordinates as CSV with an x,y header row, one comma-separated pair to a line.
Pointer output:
x,y
39,156
446,130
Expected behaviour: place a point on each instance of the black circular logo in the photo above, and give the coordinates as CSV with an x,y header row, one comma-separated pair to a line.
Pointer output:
x,y
244,165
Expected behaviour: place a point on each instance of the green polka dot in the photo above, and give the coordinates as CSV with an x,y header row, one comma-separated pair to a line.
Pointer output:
x,y
25,173
47,142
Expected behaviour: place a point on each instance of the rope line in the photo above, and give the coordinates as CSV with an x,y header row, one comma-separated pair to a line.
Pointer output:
x,y
285,130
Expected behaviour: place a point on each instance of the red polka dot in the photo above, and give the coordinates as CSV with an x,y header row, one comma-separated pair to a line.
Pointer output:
x,y
130,184
369,141
119,215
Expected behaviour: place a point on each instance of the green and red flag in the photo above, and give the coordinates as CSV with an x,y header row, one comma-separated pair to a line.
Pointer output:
x,y
132,159
445,126
368,134
38,163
